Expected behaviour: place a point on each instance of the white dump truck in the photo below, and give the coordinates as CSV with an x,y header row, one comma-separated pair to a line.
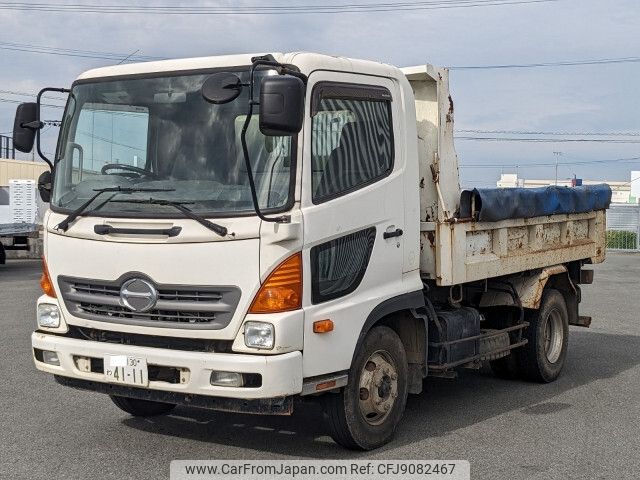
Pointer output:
x,y
242,233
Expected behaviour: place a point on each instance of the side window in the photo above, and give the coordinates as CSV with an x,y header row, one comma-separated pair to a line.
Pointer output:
x,y
338,266
351,140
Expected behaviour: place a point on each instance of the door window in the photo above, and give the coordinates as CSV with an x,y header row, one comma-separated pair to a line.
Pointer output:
x,y
352,139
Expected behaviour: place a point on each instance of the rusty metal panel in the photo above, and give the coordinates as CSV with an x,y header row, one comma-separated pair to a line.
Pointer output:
x,y
479,243
529,287
518,238
470,251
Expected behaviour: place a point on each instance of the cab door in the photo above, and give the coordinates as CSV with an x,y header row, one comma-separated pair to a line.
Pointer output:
x,y
353,210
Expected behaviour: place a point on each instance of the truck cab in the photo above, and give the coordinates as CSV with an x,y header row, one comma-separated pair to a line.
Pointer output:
x,y
221,237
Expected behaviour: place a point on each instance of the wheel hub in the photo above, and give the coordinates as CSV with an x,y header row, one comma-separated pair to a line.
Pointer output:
x,y
553,336
378,387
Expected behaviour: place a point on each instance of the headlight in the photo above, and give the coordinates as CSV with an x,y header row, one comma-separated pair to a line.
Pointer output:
x,y
48,315
259,335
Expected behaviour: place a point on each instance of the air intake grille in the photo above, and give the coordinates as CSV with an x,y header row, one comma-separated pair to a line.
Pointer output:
x,y
176,307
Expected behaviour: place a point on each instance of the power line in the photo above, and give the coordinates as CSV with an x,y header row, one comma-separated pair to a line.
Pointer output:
x,y
546,140
70,52
261,9
552,164
30,95
128,56
9,100
566,134
566,63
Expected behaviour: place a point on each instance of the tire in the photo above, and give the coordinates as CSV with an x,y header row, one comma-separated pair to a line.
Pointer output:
x,y
141,408
542,358
353,416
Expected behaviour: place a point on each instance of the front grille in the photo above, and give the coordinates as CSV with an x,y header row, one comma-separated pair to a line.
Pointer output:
x,y
152,341
176,307
116,311
179,295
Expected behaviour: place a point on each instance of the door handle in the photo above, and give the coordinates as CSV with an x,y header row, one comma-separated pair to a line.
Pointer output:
x,y
397,233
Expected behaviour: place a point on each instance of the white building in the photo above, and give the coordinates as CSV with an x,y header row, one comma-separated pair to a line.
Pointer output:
x,y
623,192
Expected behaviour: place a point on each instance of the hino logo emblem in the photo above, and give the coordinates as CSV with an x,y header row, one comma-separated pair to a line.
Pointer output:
x,y
138,295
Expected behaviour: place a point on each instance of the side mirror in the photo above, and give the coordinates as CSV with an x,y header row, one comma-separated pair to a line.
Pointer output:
x,y
25,126
44,186
221,88
281,105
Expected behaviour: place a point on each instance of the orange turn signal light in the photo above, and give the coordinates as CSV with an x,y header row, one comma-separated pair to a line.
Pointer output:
x,y
282,290
45,281
325,385
323,326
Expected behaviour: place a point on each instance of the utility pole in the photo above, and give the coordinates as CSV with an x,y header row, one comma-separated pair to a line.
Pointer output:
x,y
557,155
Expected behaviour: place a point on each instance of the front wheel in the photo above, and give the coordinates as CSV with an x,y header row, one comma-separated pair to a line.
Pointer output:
x,y
365,414
141,408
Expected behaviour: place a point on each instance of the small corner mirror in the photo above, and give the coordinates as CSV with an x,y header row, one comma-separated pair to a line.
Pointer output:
x,y
222,87
44,186
281,105
25,126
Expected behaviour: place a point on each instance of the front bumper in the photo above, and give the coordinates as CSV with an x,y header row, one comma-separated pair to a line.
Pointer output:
x,y
259,406
281,374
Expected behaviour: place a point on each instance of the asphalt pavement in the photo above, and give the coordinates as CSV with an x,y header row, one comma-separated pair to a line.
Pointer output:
x,y
585,425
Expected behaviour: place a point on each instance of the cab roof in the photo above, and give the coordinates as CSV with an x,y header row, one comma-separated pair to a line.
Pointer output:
x,y
306,62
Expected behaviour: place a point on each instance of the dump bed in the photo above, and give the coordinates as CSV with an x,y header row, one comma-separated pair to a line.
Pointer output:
x,y
457,245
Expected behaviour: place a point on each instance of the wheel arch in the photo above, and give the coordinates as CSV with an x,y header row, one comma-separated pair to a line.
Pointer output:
x,y
530,287
398,313
570,292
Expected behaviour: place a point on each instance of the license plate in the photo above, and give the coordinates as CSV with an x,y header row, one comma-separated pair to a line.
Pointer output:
x,y
126,370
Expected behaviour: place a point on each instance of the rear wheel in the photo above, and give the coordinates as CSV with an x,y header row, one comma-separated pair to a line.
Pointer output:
x,y
543,357
141,408
365,414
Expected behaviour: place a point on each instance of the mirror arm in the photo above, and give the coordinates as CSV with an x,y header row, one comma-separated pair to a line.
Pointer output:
x,y
294,73
39,124
245,149
35,125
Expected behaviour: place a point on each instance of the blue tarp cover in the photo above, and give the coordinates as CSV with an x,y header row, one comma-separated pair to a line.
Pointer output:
x,y
494,204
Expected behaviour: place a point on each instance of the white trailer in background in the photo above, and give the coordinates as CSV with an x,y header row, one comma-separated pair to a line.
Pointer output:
x,y
240,233
19,219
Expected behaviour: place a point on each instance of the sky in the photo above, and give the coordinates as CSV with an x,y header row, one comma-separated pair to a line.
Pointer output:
x,y
587,98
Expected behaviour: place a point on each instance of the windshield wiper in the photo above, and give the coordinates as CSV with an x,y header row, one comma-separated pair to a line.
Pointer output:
x,y
219,229
64,224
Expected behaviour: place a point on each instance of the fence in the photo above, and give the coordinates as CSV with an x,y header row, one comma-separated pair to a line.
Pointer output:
x,y
6,147
623,227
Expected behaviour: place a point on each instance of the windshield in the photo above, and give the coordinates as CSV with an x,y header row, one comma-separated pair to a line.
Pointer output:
x,y
159,133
